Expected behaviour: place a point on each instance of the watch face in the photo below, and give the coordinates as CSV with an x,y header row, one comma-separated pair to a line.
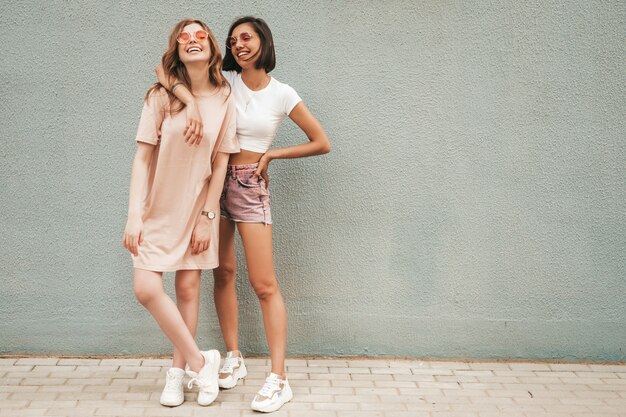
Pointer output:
x,y
211,215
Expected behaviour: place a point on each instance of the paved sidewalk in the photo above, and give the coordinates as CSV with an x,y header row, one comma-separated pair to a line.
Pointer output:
x,y
322,388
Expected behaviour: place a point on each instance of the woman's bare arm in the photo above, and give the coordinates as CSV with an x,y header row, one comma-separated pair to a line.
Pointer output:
x,y
133,232
318,143
201,237
194,128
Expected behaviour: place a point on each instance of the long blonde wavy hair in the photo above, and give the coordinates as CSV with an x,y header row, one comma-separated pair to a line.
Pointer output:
x,y
175,69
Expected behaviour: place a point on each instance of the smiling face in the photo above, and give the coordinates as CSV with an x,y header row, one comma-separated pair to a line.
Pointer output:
x,y
247,48
197,49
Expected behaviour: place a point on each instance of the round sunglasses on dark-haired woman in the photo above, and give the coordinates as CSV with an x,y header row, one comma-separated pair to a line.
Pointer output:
x,y
262,104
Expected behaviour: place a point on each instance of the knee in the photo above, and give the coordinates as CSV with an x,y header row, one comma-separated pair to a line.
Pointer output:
x,y
145,294
224,275
265,290
187,291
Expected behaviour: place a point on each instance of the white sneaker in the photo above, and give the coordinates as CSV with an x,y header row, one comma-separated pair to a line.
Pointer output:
x,y
206,379
273,395
173,394
232,371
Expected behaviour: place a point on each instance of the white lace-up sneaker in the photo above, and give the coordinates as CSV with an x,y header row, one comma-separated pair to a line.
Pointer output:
x,y
273,395
206,379
232,371
173,394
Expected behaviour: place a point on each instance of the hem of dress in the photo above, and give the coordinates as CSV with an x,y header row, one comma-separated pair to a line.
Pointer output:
x,y
175,268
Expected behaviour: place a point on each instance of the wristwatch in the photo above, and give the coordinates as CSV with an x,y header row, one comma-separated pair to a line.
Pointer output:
x,y
209,214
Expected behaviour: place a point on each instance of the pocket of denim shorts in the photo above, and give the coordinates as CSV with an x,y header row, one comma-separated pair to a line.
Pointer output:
x,y
249,184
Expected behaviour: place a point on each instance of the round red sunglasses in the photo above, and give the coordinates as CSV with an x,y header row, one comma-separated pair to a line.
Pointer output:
x,y
232,41
184,38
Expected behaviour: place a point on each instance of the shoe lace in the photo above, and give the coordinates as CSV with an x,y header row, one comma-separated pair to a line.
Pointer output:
x,y
201,384
271,386
229,365
172,381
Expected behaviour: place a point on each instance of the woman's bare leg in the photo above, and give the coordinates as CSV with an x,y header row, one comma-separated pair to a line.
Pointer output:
x,y
225,291
188,303
148,287
257,243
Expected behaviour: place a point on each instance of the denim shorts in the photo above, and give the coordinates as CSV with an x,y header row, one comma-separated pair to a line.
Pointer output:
x,y
245,199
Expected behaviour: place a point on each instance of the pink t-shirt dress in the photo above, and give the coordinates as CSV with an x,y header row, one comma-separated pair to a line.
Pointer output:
x,y
178,180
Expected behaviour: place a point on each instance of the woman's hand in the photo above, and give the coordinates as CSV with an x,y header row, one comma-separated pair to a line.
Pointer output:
x,y
201,236
194,129
264,163
133,235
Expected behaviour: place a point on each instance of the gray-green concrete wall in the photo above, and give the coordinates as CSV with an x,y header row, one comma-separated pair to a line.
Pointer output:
x,y
474,203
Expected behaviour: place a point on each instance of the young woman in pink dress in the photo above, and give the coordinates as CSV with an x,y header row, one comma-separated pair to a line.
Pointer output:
x,y
262,103
173,210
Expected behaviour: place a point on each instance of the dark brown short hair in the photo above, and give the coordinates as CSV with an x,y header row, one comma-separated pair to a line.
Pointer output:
x,y
267,60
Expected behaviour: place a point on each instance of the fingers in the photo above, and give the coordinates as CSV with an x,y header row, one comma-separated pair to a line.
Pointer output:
x,y
199,130
261,169
200,246
194,245
189,130
194,132
132,243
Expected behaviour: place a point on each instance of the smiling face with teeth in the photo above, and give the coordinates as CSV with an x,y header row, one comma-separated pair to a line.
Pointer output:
x,y
196,50
246,53
249,45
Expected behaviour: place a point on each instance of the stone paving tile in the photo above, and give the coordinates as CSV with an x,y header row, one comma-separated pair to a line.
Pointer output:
x,y
22,413
326,387
16,368
569,367
364,363
37,361
67,412
331,363
157,362
371,377
121,362
489,365
529,366
431,371
78,361
449,365
329,377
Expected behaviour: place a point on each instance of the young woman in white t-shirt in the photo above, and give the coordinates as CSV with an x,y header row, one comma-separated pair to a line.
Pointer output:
x,y
262,103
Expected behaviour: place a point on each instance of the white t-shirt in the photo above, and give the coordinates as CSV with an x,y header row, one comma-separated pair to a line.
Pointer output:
x,y
259,113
